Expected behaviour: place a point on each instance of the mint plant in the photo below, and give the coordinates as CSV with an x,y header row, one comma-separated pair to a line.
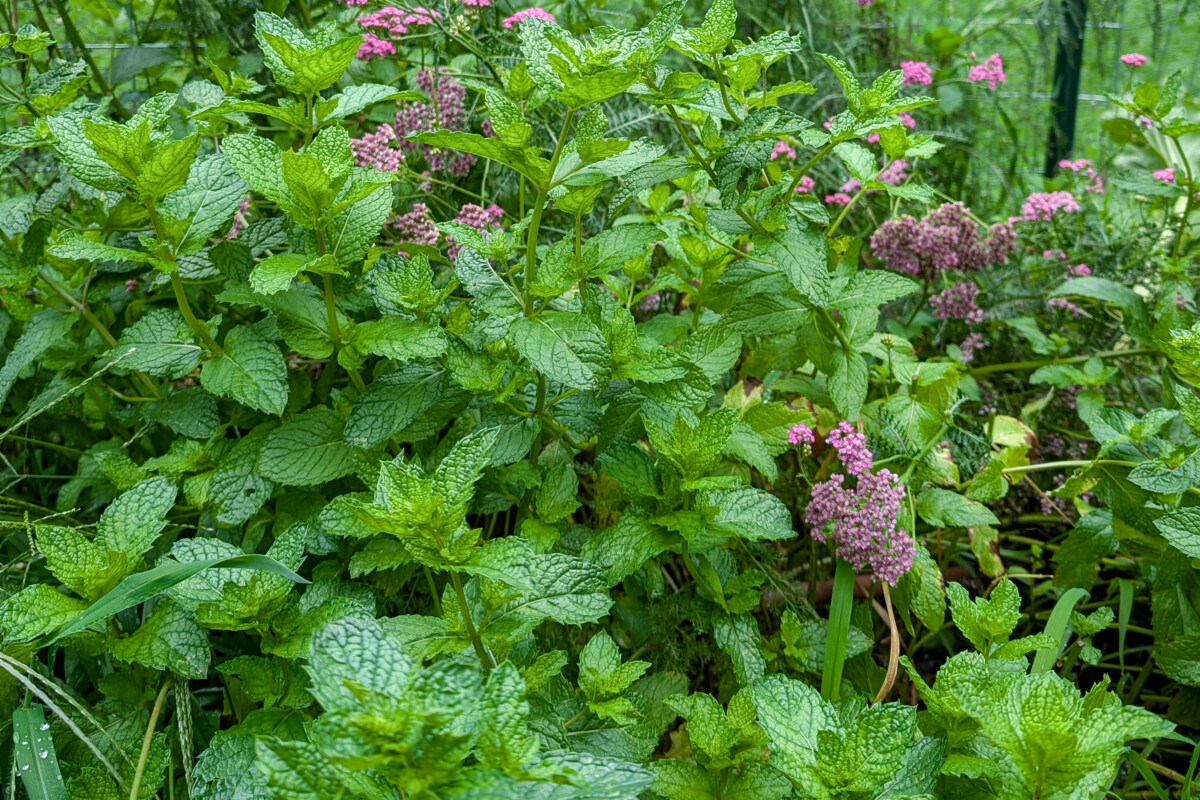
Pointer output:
x,y
432,403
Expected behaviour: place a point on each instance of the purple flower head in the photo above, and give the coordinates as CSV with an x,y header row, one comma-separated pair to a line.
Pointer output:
x,y
446,111
1066,305
860,522
1165,175
969,345
838,199
1080,271
1045,205
783,150
906,119
958,302
374,47
477,217
801,435
947,238
915,72
1134,60
417,226
1074,166
529,13
851,447
894,173
991,70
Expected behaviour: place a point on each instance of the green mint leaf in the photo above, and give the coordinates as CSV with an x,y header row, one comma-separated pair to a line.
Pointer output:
x,y
250,371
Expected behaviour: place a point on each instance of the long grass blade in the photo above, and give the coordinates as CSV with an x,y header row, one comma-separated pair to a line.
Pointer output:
x,y
144,585
37,763
1056,626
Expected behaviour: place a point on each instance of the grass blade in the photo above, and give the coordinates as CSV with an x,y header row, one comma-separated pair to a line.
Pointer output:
x,y
1056,626
37,762
1124,611
841,605
144,585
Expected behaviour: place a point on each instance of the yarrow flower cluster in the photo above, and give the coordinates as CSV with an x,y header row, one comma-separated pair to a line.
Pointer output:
x,y
1165,175
801,435
894,173
969,345
838,199
783,150
392,21
947,238
239,219
1065,305
1095,184
860,521
958,302
528,13
1134,60
1045,205
915,73
806,185
417,226
445,112
477,217
991,70
374,47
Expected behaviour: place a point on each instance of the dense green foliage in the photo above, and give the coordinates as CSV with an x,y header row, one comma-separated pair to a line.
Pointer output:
x,y
383,417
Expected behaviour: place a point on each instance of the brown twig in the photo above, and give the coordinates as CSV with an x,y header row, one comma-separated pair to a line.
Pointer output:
x,y
894,645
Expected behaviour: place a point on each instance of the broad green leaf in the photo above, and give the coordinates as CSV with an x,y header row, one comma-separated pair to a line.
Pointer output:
x,y
309,450
564,346
35,758
251,371
161,343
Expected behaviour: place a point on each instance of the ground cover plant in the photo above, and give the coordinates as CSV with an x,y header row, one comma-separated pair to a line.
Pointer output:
x,y
484,402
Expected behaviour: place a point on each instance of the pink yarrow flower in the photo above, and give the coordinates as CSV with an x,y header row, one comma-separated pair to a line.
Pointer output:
x,y
991,70
374,47
1045,205
1134,60
806,185
894,173
1080,271
529,13
915,73
838,199
1074,166
783,150
906,120
958,302
801,435
1165,175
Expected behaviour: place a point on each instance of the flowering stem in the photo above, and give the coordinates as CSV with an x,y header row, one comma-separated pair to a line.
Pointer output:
x,y
840,607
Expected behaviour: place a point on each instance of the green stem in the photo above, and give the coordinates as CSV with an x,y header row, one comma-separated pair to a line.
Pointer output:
x,y
535,224
1025,366
196,325
1047,465
724,93
841,605
147,739
335,330
485,658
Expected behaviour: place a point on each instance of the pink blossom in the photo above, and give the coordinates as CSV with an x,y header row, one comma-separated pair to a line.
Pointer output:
x,y
131,285
991,70
417,226
801,435
958,302
477,217
1165,175
374,47
1080,271
969,345
873,138
446,111
894,173
239,218
860,522
851,447
375,150
1134,60
906,120
529,13
838,199
1066,305
915,72
947,238
806,185
1044,205
1146,122
476,3
865,3
783,149
851,185
1074,166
